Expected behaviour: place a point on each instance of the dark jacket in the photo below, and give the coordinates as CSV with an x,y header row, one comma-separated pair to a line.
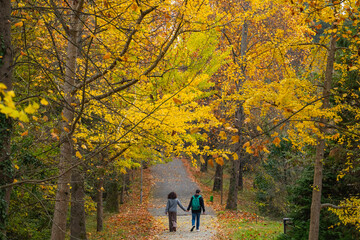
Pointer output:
x,y
202,206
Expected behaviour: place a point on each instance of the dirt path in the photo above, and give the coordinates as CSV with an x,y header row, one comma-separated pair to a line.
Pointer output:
x,y
173,176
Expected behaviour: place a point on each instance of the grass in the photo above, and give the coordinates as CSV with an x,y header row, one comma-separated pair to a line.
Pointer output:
x,y
245,223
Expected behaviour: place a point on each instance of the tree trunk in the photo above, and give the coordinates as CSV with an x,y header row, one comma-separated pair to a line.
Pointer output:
x,y
99,209
239,123
231,202
112,197
241,178
77,217
58,230
218,178
318,168
6,64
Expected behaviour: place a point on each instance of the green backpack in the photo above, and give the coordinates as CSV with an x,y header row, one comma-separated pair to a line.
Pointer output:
x,y
195,204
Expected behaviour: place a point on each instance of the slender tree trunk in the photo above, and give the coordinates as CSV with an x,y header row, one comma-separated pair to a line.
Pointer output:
x,y
218,178
77,217
318,168
99,209
6,65
58,230
241,178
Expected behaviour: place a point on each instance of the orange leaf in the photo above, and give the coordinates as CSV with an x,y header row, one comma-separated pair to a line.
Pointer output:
x,y
25,133
107,56
211,163
247,144
277,141
177,101
235,138
19,24
220,161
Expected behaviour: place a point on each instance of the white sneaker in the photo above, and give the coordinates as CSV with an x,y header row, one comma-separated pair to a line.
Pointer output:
x,y
198,230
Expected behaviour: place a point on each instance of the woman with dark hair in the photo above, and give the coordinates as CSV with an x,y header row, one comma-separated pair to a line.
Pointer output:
x,y
171,208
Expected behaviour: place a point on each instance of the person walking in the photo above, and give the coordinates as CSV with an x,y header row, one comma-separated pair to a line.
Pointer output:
x,y
171,210
196,204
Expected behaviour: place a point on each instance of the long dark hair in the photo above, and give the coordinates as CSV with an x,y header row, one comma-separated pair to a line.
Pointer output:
x,y
172,195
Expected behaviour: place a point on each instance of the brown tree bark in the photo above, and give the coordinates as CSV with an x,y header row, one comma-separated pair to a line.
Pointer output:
x,y
239,123
318,168
6,65
58,230
77,216
218,178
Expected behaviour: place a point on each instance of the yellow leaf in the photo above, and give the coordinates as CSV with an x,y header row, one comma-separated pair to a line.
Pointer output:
x,y
247,120
204,135
45,118
353,68
73,104
259,129
247,144
202,159
15,181
194,130
66,129
78,154
235,139
235,156
222,135
248,150
16,166
64,118
21,125
35,118
44,102
107,56
31,108
266,150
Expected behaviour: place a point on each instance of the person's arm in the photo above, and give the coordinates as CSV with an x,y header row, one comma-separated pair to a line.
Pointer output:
x,y
167,207
189,204
181,206
202,204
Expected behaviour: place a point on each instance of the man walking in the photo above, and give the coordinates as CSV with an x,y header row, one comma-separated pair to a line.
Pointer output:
x,y
196,204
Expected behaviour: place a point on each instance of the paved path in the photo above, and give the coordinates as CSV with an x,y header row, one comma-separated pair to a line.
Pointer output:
x,y
170,177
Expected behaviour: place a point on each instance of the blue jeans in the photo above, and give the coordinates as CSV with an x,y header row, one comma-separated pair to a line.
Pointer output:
x,y
197,216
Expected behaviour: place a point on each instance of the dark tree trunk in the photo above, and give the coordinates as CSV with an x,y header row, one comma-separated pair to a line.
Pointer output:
x,y
112,197
218,178
231,202
6,64
77,217
99,208
241,178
